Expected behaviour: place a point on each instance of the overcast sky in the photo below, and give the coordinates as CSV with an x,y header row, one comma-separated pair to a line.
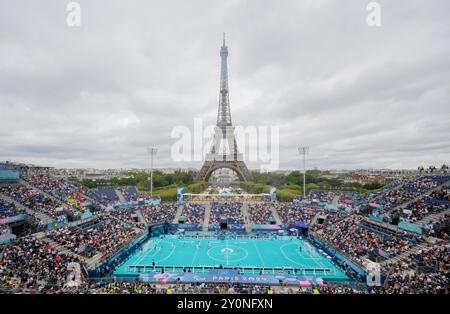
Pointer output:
x,y
99,94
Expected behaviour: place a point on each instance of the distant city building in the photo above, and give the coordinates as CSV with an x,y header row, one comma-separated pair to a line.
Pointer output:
x,y
365,179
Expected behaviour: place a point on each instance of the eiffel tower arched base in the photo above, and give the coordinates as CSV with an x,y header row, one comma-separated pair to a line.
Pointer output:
x,y
237,166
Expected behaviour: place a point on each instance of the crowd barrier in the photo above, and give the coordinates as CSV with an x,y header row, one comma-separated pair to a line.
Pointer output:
x,y
410,227
6,174
267,277
265,227
334,253
11,219
190,227
119,256
7,237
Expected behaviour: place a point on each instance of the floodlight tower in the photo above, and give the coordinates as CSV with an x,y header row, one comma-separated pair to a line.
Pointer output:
x,y
152,152
303,150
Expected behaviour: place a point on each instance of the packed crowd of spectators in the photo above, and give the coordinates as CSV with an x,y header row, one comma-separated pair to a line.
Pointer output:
x,y
36,222
438,227
178,288
132,194
158,213
32,266
425,271
8,209
127,215
106,197
322,196
290,213
105,236
4,229
59,188
35,200
333,217
260,213
341,200
436,202
407,191
357,242
229,210
193,213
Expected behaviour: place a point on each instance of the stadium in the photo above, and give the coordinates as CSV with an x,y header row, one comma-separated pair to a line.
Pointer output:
x,y
331,178
393,240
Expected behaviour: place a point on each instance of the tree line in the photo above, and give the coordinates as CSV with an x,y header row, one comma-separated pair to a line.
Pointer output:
x,y
288,185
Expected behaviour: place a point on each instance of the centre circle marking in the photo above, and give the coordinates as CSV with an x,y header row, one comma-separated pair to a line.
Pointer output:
x,y
230,253
227,251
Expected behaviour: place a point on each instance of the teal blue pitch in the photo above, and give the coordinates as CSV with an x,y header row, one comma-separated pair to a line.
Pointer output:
x,y
287,252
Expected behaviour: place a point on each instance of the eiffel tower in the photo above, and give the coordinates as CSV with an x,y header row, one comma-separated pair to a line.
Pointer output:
x,y
224,152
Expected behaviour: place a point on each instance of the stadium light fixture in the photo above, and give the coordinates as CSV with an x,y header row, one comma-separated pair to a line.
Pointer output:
x,y
152,152
304,150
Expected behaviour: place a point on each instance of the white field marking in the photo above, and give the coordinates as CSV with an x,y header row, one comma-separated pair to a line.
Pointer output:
x,y
168,256
226,242
146,246
208,253
195,255
314,259
301,254
155,253
140,258
317,258
288,258
259,254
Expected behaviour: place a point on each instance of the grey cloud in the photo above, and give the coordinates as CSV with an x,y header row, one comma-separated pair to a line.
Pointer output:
x,y
98,95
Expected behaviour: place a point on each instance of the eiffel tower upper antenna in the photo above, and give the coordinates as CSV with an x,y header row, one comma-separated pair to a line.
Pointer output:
x,y
224,114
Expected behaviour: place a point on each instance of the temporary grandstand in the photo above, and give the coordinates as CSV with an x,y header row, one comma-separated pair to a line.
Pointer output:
x,y
123,238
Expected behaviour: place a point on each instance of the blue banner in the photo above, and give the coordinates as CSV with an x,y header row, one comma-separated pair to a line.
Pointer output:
x,y
6,238
231,277
190,226
9,175
410,227
267,227
333,252
55,225
86,215
8,220
376,218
